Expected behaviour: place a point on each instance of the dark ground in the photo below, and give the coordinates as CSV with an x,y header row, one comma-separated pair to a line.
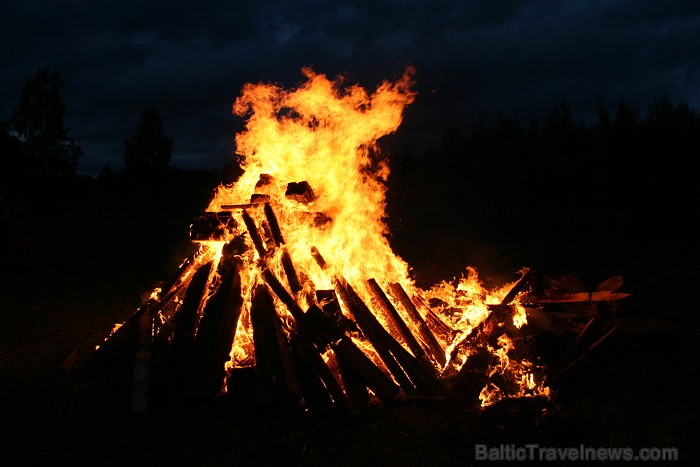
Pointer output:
x,y
74,268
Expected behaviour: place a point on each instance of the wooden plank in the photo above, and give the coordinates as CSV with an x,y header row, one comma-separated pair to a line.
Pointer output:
x,y
277,384
217,328
254,234
319,386
320,326
398,325
433,347
409,373
355,388
274,224
576,297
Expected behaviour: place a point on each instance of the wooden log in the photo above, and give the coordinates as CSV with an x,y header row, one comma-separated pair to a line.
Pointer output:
x,y
300,192
375,334
217,327
290,272
433,347
398,325
572,347
283,294
517,288
500,321
276,378
321,327
254,234
212,226
238,206
276,236
306,331
473,375
432,320
319,258
182,346
259,198
485,333
270,244
611,284
355,388
319,387
410,374
576,297
274,224
328,301
311,385
174,351
172,286
123,342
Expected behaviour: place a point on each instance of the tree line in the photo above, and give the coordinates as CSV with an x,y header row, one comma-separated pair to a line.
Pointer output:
x,y
626,177
501,161
38,151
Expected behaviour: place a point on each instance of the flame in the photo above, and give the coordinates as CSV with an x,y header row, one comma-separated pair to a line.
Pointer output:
x,y
321,138
326,136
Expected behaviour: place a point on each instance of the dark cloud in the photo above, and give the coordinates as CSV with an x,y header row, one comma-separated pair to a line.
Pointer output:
x,y
190,59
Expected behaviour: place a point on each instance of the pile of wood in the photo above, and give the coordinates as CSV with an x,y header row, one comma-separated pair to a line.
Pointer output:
x,y
171,347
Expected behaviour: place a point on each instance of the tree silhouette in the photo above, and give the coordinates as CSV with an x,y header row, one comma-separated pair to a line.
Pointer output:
x,y
47,150
148,148
10,154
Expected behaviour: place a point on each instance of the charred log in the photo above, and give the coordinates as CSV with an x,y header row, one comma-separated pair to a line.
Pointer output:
x,y
254,234
212,226
320,326
217,328
355,388
319,387
436,351
397,324
174,352
409,373
277,379
300,192
274,225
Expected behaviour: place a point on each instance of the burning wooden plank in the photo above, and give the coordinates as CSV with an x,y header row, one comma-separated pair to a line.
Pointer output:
x,y
254,234
272,353
437,353
323,328
320,327
355,387
398,324
410,374
174,345
287,264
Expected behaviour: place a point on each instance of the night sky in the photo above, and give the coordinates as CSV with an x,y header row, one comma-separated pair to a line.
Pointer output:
x,y
190,59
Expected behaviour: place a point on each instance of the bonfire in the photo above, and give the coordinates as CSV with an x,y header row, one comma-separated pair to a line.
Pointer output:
x,y
294,276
